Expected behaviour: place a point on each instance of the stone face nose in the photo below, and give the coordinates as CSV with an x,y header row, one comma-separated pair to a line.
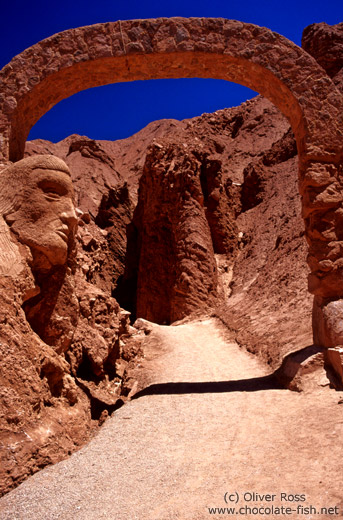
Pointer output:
x,y
69,216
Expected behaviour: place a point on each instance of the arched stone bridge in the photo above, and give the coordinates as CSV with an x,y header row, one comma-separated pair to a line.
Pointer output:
x,y
77,59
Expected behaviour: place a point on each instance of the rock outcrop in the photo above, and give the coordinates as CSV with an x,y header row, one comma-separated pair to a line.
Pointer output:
x,y
269,308
65,342
177,273
325,43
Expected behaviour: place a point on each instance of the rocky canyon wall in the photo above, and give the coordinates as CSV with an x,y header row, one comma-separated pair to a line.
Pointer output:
x,y
184,218
80,345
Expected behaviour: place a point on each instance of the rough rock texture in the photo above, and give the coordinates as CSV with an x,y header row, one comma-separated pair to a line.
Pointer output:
x,y
269,307
325,43
247,155
174,238
218,202
143,49
44,415
189,175
51,403
66,345
226,148
222,148
220,144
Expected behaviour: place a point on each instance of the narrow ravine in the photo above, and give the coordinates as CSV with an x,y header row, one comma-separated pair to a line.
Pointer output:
x,y
210,422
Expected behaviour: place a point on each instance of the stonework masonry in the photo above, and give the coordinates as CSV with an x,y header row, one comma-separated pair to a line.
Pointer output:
x,y
85,57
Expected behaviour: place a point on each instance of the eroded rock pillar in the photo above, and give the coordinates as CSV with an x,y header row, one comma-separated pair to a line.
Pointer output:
x,y
177,273
321,188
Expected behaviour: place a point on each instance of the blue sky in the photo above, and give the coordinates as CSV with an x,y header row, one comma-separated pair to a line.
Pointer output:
x,y
119,110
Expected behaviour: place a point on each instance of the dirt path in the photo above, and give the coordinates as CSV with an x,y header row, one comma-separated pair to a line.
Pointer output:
x,y
209,424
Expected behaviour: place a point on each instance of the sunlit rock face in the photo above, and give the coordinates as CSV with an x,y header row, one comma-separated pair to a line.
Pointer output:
x,y
325,43
59,333
42,212
37,207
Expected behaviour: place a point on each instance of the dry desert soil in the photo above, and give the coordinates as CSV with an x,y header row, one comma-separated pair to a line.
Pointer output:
x,y
210,425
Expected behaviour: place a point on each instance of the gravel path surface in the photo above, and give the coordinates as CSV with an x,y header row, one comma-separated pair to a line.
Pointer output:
x,y
210,423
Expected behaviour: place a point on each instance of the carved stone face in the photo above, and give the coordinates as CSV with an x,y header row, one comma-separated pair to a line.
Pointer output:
x,y
46,220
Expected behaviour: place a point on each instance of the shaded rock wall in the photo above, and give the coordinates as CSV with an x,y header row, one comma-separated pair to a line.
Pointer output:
x,y
177,274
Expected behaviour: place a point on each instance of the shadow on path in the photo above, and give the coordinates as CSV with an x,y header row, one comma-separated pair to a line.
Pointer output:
x,y
212,387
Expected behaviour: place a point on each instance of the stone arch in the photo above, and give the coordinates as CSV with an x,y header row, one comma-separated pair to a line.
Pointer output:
x,y
77,59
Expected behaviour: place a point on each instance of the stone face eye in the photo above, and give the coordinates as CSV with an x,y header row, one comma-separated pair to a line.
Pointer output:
x,y
52,193
52,190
